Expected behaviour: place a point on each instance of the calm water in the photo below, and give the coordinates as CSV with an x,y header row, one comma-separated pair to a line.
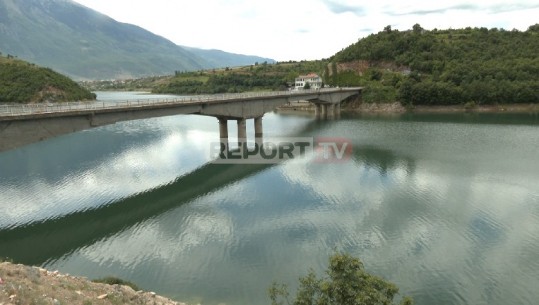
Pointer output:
x,y
445,206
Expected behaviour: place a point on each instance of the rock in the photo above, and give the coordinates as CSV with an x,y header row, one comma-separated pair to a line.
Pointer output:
x,y
1,281
11,297
103,296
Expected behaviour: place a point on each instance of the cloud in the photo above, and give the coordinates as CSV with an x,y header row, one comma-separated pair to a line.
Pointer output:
x,y
368,30
491,9
341,8
303,31
460,7
508,7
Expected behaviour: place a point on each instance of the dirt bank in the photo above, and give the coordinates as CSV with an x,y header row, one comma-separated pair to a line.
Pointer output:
x,y
509,108
24,285
398,108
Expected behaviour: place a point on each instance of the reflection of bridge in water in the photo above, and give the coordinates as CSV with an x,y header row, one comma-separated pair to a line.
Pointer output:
x,y
25,124
47,240
37,243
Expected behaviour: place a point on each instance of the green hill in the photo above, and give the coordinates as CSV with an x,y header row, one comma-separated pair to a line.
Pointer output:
x,y
443,67
23,82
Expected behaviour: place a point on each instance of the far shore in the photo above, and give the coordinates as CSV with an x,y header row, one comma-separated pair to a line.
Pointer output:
x,y
398,108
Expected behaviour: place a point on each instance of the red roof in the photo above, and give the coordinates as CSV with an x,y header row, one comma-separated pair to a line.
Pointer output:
x,y
310,75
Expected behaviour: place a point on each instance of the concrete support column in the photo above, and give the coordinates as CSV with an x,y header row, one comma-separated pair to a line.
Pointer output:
x,y
242,132
338,110
317,110
223,133
258,131
258,127
223,129
330,111
323,111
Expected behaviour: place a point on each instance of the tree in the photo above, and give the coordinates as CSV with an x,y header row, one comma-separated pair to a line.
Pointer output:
x,y
534,28
307,86
346,283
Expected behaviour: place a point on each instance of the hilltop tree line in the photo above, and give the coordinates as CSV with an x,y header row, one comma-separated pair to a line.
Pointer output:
x,y
445,67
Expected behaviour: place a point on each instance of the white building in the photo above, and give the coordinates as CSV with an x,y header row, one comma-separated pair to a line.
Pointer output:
x,y
314,81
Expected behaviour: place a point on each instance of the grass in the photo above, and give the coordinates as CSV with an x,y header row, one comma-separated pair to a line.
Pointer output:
x,y
6,260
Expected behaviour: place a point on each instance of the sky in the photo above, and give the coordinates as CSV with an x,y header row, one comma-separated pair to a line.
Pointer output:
x,y
305,29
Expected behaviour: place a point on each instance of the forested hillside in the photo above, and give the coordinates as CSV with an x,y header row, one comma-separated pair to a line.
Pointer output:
x,y
22,82
263,76
443,67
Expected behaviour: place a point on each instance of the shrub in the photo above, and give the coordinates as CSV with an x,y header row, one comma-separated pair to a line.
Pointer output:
x,y
116,281
346,283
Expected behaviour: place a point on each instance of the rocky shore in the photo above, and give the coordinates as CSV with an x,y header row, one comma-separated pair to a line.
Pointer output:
x,y
25,285
398,108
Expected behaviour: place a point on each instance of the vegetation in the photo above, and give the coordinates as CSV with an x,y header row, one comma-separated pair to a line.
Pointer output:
x,y
110,280
22,82
136,84
5,260
467,67
346,283
257,77
443,67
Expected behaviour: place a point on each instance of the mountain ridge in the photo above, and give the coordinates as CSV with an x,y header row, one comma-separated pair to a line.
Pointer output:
x,y
85,44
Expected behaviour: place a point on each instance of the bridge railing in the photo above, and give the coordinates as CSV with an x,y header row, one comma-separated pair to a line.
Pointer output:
x,y
41,108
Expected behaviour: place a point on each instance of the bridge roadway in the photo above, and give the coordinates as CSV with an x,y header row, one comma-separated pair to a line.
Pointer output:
x,y
24,124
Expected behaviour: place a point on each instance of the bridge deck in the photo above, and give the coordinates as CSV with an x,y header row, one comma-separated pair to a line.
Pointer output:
x,y
24,124
28,111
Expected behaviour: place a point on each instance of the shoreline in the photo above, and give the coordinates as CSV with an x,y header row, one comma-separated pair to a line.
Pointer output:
x,y
397,108
23,284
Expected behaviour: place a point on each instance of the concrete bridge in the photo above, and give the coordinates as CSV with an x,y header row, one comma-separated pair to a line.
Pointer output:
x,y
24,124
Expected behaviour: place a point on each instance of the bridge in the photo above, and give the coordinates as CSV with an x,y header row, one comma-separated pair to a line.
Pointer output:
x,y
24,124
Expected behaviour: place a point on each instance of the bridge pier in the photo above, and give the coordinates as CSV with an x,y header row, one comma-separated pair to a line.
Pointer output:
x,y
223,132
258,131
317,110
242,131
323,111
327,111
330,111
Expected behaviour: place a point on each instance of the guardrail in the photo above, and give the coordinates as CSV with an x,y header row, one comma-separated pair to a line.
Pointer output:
x,y
42,108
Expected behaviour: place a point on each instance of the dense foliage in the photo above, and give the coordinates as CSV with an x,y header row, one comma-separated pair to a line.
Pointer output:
x,y
346,283
223,83
446,67
22,82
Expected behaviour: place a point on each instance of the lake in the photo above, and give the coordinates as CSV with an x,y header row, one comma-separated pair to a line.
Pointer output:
x,y
446,206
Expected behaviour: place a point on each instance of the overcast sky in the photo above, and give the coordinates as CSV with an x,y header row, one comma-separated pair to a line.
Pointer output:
x,y
305,29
